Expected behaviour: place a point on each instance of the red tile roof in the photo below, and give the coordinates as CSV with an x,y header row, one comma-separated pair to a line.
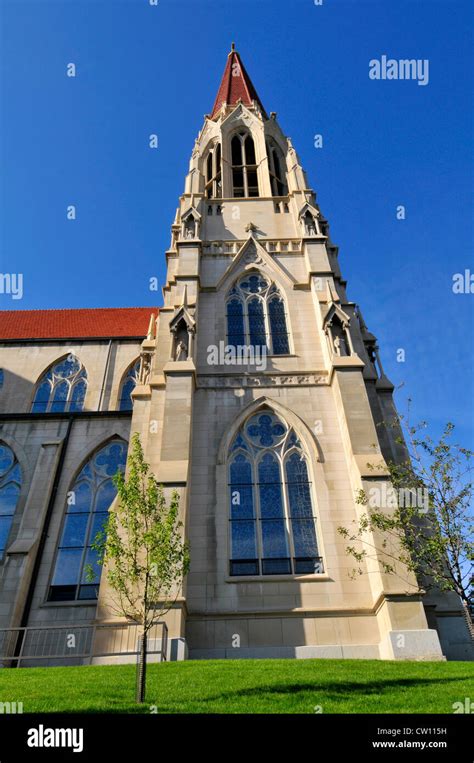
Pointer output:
x,y
88,323
236,84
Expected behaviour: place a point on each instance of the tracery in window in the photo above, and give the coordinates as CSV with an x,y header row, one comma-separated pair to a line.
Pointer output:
x,y
272,522
87,506
129,383
256,315
62,388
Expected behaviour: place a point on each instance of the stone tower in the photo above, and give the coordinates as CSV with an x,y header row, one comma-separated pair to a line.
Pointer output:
x,y
261,388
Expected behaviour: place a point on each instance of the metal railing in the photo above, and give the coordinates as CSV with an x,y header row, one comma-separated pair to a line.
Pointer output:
x,y
469,620
78,642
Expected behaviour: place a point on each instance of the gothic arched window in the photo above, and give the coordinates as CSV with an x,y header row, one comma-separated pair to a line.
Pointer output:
x,y
62,388
10,486
87,506
214,173
276,164
256,315
244,166
272,523
129,382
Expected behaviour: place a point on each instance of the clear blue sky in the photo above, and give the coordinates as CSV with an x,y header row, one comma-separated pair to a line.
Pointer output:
x,y
144,69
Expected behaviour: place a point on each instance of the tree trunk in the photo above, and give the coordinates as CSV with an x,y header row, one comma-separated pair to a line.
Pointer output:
x,y
141,669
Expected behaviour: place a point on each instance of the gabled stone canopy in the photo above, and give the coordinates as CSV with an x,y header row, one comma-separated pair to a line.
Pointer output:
x,y
252,255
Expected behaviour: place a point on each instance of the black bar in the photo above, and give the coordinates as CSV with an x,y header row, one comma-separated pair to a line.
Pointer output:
x,y
118,736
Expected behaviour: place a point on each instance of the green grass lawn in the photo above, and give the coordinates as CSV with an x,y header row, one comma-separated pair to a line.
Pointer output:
x,y
246,686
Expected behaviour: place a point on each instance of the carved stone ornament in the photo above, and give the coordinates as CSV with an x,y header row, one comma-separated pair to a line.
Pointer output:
x,y
222,382
144,372
251,256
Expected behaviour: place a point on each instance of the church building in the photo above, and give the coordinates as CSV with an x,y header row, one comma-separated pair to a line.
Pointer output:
x,y
258,393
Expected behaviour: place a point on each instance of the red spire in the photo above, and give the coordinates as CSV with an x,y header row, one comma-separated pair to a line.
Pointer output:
x,y
235,85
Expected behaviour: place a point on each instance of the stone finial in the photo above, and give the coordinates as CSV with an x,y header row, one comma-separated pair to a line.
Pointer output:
x,y
151,327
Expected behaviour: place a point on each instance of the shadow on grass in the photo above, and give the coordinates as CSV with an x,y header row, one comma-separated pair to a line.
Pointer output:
x,y
234,701
337,692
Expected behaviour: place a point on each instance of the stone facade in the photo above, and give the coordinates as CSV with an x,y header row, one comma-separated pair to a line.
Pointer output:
x,y
50,449
254,218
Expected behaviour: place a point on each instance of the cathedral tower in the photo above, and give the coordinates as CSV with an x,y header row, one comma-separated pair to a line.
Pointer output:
x,y
260,393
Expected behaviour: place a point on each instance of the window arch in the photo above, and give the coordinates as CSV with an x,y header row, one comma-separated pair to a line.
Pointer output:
x,y
87,506
256,315
129,382
272,522
62,388
276,168
244,166
213,173
10,487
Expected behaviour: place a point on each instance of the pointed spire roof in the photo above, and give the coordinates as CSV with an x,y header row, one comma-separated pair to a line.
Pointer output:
x,y
235,85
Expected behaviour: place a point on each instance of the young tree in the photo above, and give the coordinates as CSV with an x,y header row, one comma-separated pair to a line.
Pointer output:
x,y
143,551
427,522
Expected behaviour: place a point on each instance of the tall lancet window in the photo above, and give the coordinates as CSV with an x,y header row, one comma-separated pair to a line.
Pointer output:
x,y
272,522
129,382
10,487
256,315
87,505
276,166
62,388
244,166
214,173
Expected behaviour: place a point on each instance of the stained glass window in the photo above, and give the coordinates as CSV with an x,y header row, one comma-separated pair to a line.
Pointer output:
x,y
276,312
10,487
273,529
253,284
78,396
275,549
257,333
87,506
62,388
243,523
302,524
256,316
265,429
235,323
128,385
